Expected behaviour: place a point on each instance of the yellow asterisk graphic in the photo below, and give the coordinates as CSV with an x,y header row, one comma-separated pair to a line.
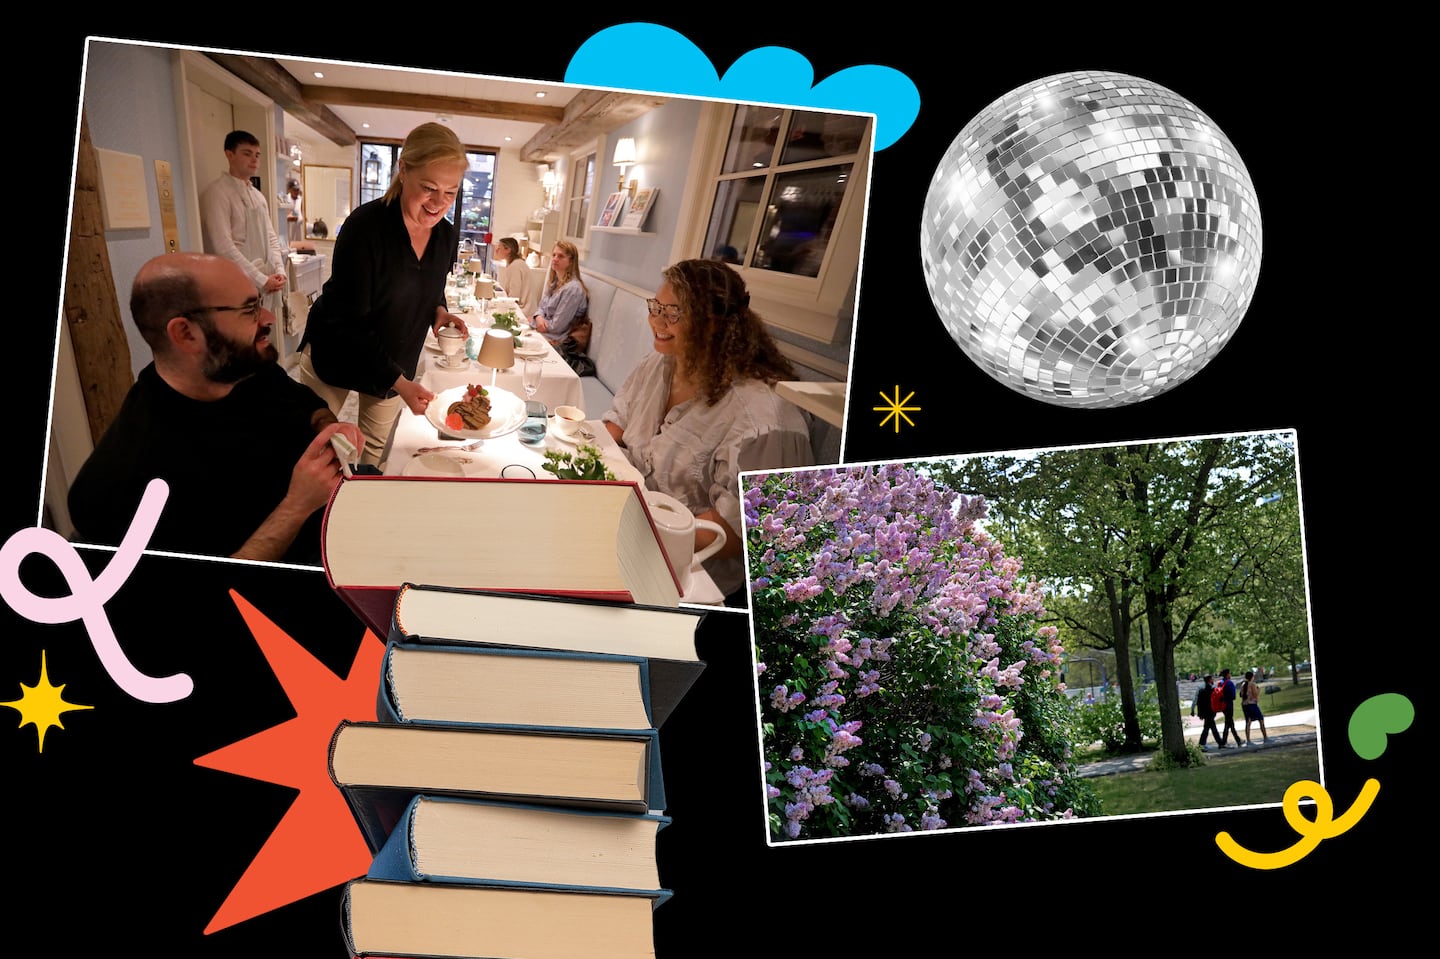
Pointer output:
x,y
42,704
896,408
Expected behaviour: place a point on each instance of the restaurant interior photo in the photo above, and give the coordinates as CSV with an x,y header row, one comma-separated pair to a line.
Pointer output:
x,y
632,182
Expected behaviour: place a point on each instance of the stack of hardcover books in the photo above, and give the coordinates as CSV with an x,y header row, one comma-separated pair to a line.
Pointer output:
x,y
510,788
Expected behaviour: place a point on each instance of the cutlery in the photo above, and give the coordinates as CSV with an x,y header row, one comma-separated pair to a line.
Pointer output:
x,y
475,445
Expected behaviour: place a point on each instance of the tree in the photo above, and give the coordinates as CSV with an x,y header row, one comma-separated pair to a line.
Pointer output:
x,y
1176,529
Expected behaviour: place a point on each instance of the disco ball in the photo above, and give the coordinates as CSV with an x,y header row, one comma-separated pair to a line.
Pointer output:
x,y
1091,239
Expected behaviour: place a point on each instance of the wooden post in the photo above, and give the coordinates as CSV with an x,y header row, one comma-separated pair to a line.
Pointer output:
x,y
97,333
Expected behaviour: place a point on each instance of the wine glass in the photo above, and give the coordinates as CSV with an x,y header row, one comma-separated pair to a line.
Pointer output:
x,y
530,374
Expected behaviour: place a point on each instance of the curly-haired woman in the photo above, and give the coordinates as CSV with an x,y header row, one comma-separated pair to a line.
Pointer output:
x,y
701,408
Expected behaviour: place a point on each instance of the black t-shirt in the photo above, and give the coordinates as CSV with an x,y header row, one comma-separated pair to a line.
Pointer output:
x,y
227,463
368,326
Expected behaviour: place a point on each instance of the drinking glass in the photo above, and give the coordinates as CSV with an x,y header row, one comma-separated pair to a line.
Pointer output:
x,y
530,375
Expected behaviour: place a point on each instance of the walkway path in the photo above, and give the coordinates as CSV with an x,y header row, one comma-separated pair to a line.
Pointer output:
x,y
1286,729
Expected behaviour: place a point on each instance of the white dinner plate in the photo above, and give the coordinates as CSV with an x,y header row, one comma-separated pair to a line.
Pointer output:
x,y
507,413
436,464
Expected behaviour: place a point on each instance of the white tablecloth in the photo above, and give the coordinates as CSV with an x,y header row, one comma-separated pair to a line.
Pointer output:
x,y
492,456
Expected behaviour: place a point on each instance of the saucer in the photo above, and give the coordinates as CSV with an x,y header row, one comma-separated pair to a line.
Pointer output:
x,y
573,440
444,364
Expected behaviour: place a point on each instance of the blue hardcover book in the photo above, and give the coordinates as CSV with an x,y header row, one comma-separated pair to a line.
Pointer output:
x,y
379,767
446,839
431,682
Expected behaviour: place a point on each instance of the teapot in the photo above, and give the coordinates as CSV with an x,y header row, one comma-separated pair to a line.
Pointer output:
x,y
676,526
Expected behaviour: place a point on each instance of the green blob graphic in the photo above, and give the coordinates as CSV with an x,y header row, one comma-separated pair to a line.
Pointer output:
x,y
1375,719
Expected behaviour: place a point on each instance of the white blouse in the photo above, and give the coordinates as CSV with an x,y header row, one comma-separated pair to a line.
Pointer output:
x,y
695,452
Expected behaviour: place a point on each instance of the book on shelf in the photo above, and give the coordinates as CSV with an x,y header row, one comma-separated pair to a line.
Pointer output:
x,y
640,207
454,921
379,767
430,682
664,636
445,839
586,538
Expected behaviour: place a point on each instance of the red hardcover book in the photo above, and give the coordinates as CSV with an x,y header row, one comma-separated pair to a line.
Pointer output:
x,y
583,538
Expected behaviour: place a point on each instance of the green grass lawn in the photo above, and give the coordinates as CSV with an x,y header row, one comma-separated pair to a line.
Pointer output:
x,y
1260,777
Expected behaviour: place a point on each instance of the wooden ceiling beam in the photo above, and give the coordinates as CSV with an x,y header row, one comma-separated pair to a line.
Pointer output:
x,y
432,103
273,80
588,114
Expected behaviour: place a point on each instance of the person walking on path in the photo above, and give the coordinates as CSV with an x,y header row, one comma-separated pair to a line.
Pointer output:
x,y
1250,705
1201,707
1228,687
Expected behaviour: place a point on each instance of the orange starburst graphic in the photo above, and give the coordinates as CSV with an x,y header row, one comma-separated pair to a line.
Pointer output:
x,y
317,844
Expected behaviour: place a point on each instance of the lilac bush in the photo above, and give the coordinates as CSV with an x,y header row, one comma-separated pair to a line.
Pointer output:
x,y
904,681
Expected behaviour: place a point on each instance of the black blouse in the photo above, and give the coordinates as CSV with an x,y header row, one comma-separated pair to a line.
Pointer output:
x,y
368,326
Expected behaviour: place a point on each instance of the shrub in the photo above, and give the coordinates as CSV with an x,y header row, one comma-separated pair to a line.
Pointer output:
x,y
904,681
1103,721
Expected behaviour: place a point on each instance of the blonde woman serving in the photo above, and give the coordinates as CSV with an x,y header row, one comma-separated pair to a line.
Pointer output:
x,y
387,290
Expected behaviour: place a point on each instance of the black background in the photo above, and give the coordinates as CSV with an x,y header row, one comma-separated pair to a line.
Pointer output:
x,y
115,838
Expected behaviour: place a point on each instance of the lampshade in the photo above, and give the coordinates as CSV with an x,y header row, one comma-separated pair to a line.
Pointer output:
x,y
497,350
624,150
484,289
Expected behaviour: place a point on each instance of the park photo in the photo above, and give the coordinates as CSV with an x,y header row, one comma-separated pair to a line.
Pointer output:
x,y
1031,636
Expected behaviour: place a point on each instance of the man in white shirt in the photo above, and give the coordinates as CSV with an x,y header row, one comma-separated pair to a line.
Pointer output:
x,y
235,220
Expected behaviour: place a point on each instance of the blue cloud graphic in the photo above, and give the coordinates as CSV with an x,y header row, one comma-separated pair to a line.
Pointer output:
x,y
647,56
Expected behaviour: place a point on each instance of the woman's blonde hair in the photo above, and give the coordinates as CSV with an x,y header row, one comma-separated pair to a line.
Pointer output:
x,y
573,273
428,143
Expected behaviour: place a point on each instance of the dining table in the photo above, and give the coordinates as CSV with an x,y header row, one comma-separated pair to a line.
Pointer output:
x,y
559,384
419,448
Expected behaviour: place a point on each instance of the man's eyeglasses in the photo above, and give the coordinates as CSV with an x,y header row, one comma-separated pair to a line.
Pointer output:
x,y
670,312
250,307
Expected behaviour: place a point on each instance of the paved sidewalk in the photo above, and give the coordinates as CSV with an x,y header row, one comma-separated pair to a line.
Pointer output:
x,y
1286,729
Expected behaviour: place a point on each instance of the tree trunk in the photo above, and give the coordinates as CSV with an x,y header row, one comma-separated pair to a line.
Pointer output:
x,y
1162,646
1120,630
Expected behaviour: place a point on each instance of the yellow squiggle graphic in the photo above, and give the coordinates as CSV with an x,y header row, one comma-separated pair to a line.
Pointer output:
x,y
1311,831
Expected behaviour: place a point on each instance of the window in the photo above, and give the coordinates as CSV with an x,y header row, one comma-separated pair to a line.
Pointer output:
x,y
786,208
472,206
781,188
580,185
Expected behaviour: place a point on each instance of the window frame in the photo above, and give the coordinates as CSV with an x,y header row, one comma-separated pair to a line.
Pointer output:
x,y
593,150
809,306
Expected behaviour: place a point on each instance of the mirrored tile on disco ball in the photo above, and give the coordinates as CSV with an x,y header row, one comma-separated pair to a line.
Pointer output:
x,y
1091,239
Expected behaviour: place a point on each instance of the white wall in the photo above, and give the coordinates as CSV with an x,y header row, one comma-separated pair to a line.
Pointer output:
x,y
665,138
517,193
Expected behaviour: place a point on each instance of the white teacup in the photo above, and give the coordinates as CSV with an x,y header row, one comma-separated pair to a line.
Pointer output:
x,y
677,526
452,344
568,419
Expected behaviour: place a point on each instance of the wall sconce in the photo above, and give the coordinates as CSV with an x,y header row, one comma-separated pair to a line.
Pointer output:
x,y
624,159
550,182
372,168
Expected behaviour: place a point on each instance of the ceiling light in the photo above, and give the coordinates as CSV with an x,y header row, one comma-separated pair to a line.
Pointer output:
x,y
507,139
319,75
540,94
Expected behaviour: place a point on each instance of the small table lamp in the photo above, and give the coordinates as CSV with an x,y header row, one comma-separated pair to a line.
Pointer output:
x,y
484,292
497,351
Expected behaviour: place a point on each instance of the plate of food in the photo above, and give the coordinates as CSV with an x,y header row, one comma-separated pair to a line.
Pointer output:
x,y
475,412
